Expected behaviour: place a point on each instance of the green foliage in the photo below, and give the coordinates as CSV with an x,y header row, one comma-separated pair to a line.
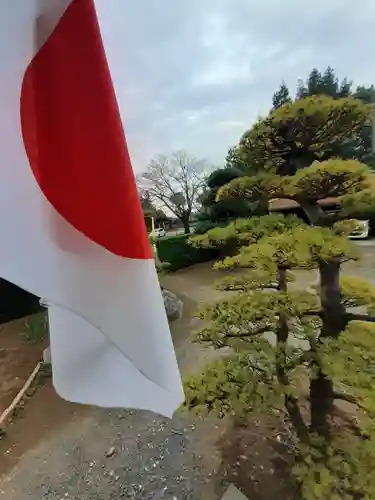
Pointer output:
x,y
232,322
234,384
350,181
300,247
36,327
218,211
365,94
255,188
338,471
281,96
360,204
297,134
345,227
357,292
350,362
222,176
45,374
324,84
223,211
178,253
254,280
203,226
244,231
332,178
327,84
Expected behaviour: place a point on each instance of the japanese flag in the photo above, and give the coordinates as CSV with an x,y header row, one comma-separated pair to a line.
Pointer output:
x,y
72,226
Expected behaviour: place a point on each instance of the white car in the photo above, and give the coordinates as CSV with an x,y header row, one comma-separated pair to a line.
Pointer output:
x,y
362,230
159,232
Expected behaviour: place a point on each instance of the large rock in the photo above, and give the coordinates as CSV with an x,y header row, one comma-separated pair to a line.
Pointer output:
x,y
173,305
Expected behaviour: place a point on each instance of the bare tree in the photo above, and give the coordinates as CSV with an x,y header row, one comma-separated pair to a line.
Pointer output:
x,y
175,182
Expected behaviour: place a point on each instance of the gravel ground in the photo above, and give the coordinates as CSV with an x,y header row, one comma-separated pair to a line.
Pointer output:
x,y
134,455
113,455
127,454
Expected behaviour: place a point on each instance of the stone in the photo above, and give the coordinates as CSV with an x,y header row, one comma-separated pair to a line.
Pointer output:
x,y
47,356
111,452
173,305
234,494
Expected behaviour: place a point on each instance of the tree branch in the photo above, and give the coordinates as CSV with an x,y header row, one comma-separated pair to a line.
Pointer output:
x,y
313,313
282,333
248,334
359,317
343,396
168,176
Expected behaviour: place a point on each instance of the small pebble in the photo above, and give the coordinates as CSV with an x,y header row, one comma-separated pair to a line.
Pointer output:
x,y
110,452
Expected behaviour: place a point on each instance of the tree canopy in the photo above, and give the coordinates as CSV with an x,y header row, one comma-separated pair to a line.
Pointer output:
x,y
365,94
295,135
275,139
326,83
281,96
217,211
176,183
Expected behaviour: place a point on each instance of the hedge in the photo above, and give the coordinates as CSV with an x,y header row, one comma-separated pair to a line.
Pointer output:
x,y
178,253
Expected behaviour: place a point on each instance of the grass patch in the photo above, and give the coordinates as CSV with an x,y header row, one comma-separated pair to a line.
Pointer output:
x,y
36,327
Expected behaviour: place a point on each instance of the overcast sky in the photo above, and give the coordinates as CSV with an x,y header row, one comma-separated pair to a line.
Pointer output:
x,y
199,72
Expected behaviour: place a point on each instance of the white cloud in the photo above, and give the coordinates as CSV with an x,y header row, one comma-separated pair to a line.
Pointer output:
x,y
200,72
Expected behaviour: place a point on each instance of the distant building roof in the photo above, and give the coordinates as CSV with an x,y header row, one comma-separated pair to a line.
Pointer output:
x,y
280,204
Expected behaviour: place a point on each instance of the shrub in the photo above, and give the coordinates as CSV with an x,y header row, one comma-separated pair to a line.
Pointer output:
x,y
204,226
36,327
177,251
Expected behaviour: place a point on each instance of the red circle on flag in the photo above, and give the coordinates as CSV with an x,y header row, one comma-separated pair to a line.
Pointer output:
x,y
74,137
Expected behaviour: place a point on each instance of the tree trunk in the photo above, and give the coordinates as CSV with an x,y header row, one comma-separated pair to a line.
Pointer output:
x,y
186,226
321,387
262,207
290,402
330,295
321,398
314,213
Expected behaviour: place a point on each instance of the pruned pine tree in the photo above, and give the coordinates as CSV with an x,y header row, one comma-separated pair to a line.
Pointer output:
x,y
275,331
295,135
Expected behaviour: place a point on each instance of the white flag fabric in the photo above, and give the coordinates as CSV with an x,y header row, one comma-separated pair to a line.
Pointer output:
x,y
69,209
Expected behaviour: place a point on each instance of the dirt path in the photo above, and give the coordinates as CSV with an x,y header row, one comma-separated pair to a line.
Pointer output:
x,y
17,355
195,286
